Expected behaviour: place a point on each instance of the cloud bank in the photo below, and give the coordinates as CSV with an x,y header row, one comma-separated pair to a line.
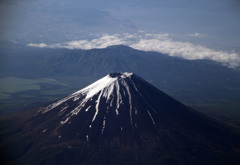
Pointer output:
x,y
151,42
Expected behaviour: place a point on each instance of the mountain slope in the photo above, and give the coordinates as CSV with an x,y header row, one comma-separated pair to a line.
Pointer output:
x,y
122,118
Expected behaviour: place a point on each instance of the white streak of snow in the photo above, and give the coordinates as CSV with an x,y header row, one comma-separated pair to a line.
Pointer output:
x,y
62,110
151,117
104,122
54,105
87,109
78,108
66,120
98,101
108,92
118,98
135,86
111,104
130,101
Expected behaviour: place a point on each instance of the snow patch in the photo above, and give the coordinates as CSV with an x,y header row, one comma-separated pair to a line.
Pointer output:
x,y
95,87
87,109
126,74
78,108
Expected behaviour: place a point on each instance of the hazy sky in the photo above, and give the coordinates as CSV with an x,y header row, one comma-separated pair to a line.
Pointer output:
x,y
212,25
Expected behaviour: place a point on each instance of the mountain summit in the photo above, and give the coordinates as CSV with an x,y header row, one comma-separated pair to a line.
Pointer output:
x,y
122,117
120,105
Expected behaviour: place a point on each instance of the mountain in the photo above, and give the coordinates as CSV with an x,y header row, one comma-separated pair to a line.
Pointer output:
x,y
201,83
122,119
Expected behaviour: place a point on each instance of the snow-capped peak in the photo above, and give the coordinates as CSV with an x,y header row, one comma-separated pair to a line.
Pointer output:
x,y
113,94
105,85
104,82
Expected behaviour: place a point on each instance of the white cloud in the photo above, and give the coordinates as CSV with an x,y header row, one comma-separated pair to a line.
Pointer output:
x,y
186,50
151,42
196,34
41,45
101,42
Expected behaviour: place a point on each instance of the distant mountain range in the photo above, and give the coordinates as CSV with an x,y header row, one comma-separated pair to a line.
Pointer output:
x,y
119,119
200,83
